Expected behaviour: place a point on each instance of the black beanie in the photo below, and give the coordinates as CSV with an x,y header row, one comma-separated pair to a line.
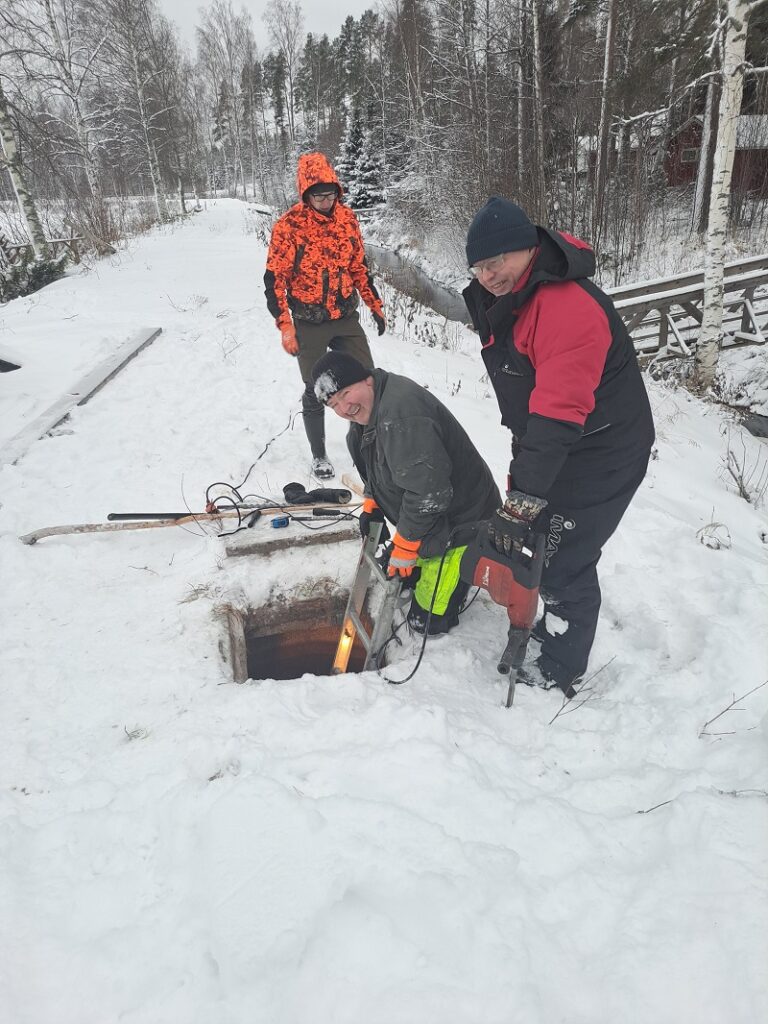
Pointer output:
x,y
335,371
500,226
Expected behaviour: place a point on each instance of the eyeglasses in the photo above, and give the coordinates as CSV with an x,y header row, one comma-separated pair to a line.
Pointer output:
x,y
322,197
489,265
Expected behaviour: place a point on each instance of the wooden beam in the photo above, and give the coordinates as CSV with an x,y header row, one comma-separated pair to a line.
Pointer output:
x,y
251,544
71,529
82,392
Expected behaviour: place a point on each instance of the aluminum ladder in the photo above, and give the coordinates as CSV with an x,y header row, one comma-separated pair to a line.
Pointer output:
x,y
368,571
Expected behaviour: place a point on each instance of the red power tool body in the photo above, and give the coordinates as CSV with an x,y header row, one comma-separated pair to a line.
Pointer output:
x,y
511,581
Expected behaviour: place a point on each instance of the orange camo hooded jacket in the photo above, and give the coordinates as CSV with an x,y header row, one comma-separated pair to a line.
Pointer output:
x,y
316,263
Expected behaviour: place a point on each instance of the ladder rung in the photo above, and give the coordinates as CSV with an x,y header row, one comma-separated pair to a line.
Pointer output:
x,y
375,569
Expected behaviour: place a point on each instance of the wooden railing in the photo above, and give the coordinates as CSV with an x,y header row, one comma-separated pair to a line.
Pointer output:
x,y
664,315
11,251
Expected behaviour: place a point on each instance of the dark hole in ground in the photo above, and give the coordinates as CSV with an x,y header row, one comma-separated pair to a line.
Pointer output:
x,y
285,639
6,367
289,655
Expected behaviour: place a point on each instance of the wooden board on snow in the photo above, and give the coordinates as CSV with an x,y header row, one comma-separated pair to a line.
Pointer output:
x,y
250,542
82,392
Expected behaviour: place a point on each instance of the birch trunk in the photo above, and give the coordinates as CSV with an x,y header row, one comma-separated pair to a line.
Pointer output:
x,y
601,171
538,118
73,91
520,100
24,198
710,338
704,170
152,162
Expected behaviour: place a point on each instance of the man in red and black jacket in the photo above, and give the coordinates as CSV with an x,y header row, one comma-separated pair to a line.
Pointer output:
x,y
569,388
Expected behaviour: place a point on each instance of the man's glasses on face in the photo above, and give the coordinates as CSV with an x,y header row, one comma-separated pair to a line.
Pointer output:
x,y
323,197
488,266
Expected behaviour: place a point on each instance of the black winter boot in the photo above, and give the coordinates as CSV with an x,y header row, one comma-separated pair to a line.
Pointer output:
x,y
417,616
547,675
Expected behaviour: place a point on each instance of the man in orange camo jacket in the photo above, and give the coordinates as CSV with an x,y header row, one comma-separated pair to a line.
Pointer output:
x,y
316,268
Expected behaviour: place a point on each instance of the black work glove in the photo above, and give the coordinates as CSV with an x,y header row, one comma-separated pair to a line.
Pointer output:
x,y
510,525
381,323
372,514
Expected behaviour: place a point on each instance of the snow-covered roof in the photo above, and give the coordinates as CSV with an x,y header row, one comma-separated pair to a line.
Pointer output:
x,y
751,130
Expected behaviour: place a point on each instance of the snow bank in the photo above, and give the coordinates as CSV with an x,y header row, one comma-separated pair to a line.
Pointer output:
x,y
174,847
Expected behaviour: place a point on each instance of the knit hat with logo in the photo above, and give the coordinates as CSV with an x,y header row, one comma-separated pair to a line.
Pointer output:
x,y
335,371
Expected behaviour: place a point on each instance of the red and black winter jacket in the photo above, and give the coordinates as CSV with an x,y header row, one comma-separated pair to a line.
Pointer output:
x,y
563,368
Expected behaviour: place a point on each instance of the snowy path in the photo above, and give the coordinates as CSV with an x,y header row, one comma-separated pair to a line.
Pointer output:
x,y
176,848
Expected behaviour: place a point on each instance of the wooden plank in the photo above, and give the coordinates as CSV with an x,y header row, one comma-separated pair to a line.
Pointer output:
x,y
93,382
353,483
82,392
238,650
250,544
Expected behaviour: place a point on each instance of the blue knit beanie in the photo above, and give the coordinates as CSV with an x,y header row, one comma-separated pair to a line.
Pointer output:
x,y
500,226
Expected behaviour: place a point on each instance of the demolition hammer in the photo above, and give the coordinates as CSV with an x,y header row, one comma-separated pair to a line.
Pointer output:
x,y
511,581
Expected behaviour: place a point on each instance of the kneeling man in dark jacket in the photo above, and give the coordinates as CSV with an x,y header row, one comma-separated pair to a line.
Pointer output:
x,y
421,472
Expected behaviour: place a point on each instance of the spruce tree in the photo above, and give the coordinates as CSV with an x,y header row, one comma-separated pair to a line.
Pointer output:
x,y
351,148
367,187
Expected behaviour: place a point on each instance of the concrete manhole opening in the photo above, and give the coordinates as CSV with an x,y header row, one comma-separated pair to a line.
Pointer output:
x,y
288,636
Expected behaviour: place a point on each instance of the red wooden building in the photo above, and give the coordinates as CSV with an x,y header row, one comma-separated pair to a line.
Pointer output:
x,y
750,167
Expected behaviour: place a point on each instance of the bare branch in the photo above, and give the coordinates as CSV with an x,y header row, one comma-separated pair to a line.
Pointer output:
x,y
731,707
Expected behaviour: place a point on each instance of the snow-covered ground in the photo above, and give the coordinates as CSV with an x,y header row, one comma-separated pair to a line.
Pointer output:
x,y
178,848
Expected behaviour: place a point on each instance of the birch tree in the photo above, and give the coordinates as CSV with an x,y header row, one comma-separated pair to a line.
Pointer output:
x,y
127,52
11,159
223,42
734,44
62,55
700,208
252,101
538,117
603,134
284,21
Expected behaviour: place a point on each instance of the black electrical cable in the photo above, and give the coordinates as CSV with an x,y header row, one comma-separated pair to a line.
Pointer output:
x,y
470,603
288,426
236,488
248,516
399,682
350,514
392,636
221,483
236,507
346,513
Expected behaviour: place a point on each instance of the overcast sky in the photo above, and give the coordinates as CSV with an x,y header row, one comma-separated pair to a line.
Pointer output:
x,y
319,16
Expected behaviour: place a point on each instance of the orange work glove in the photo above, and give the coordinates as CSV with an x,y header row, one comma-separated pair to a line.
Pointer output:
x,y
290,344
402,561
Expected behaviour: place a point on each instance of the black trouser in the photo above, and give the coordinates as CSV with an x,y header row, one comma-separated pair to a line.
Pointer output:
x,y
580,517
344,335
